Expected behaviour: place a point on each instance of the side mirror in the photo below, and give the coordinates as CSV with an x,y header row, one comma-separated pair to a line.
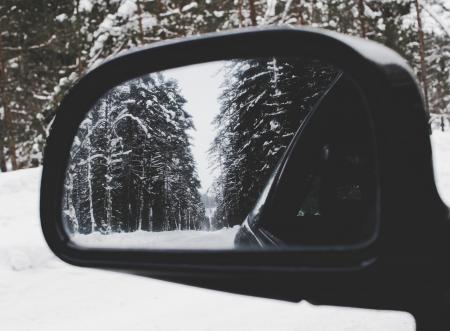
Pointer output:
x,y
308,193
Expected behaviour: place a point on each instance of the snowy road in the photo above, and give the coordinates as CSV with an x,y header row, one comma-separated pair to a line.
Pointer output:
x,y
39,292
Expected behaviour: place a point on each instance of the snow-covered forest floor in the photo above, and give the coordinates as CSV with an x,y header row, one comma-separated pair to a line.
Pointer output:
x,y
183,239
39,292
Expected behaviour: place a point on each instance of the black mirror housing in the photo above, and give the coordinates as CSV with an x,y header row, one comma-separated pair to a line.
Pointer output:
x,y
402,169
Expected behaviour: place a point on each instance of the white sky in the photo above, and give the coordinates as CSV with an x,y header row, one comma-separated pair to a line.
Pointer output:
x,y
200,85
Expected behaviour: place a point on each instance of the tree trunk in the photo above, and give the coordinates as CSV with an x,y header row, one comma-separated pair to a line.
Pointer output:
x,y
423,72
109,175
2,146
362,18
251,4
91,199
159,8
141,29
79,42
8,125
146,213
300,19
241,17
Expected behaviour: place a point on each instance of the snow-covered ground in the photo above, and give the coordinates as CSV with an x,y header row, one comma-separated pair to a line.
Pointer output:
x,y
39,292
177,239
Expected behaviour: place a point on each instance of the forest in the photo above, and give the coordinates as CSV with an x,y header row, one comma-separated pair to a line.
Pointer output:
x,y
45,46
131,167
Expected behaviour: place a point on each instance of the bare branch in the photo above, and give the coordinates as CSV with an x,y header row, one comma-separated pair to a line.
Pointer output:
x,y
38,46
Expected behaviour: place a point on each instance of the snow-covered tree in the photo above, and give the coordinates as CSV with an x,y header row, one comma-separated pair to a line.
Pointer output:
x,y
263,103
131,165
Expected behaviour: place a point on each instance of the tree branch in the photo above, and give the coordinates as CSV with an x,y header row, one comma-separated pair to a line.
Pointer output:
x,y
38,46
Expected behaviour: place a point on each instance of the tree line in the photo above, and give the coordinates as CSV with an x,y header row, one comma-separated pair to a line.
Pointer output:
x,y
46,45
131,167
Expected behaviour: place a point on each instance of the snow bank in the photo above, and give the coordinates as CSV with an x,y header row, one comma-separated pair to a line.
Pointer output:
x,y
21,241
178,239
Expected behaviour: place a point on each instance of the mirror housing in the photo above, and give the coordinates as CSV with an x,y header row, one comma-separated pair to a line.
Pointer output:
x,y
353,276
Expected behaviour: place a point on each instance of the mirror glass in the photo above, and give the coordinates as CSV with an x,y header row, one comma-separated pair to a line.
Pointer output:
x,y
180,158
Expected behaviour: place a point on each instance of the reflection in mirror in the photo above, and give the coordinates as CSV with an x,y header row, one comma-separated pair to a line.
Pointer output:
x,y
325,192
178,159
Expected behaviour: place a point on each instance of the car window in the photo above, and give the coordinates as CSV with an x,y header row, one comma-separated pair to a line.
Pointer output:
x,y
327,189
